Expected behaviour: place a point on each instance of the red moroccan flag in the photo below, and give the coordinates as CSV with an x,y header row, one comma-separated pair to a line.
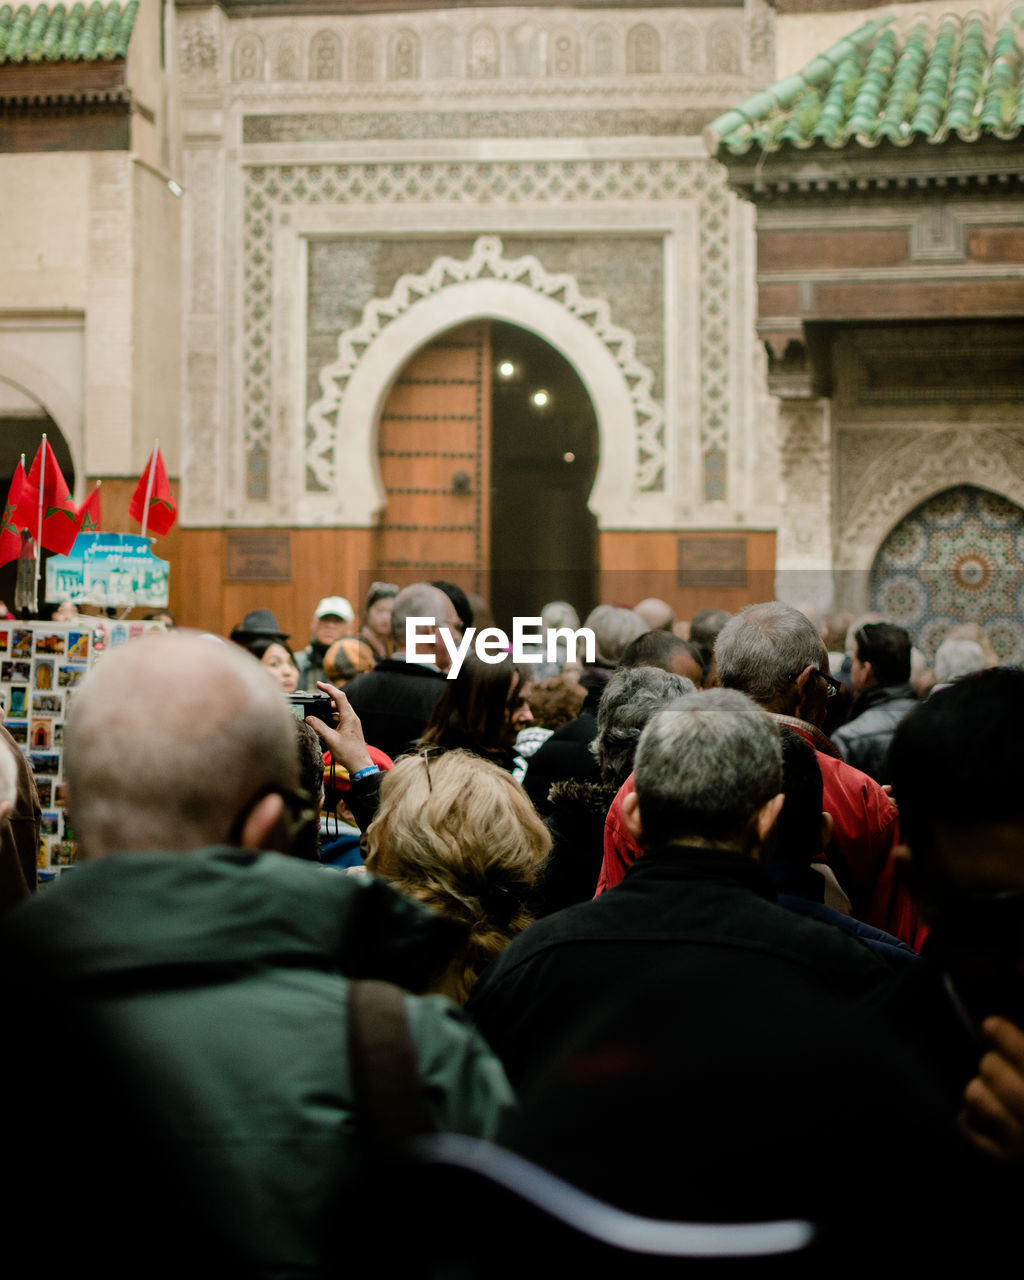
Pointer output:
x,y
89,513
59,517
152,502
10,529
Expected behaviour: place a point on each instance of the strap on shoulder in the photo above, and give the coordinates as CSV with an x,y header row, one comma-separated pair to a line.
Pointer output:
x,y
390,1106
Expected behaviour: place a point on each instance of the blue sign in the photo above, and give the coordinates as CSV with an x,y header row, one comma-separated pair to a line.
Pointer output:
x,y
108,569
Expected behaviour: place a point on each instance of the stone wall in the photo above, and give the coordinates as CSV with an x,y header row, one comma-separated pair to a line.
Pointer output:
x,y
336,161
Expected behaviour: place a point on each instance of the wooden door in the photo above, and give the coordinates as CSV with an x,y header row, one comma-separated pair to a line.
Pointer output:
x,y
434,449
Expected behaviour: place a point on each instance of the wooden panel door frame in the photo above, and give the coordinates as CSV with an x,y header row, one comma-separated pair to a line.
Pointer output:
x,y
434,451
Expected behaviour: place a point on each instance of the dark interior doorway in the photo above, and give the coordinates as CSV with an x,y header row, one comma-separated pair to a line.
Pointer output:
x,y
544,454
22,434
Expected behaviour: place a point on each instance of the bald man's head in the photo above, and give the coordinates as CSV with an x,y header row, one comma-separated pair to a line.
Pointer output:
x,y
174,742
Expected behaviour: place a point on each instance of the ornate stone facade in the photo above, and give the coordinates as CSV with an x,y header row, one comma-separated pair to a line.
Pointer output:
x,y
532,128
918,411
631,410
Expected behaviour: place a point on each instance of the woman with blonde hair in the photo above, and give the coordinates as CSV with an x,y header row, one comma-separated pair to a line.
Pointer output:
x,y
458,833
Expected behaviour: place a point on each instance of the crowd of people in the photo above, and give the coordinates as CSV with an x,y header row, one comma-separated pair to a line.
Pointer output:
x,y
722,922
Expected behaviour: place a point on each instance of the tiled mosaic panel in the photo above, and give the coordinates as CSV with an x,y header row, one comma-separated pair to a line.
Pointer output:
x,y
957,558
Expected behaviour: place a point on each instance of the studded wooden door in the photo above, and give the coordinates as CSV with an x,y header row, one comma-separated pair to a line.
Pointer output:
x,y
434,449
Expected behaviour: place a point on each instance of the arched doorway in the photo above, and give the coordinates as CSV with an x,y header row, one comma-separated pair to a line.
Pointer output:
x,y
488,448
23,422
544,455
957,558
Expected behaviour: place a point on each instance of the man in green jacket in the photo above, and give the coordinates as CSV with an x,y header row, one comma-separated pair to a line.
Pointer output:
x,y
212,974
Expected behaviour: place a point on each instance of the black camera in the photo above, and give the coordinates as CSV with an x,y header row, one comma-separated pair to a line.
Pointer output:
x,y
305,704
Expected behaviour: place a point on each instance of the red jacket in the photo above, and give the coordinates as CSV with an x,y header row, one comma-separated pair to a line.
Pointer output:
x,y
865,830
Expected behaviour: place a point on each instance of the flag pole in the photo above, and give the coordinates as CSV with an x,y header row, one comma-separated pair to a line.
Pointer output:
x,y
39,540
149,486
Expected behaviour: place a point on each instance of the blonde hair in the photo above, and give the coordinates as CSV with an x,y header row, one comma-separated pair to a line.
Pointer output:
x,y
458,833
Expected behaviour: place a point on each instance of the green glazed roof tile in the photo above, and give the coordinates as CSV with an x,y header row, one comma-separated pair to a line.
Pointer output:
x,y
892,80
63,33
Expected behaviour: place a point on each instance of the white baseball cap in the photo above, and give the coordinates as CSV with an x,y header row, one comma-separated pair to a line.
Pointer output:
x,y
336,606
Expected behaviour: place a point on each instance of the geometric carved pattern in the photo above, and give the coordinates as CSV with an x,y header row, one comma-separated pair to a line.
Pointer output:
x,y
543,47
198,47
804,453
423,183
805,470
486,262
957,558
903,478
860,454
715,256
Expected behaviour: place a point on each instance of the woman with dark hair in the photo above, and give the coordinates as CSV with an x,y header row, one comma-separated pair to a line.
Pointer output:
x,y
278,659
260,634
376,629
482,710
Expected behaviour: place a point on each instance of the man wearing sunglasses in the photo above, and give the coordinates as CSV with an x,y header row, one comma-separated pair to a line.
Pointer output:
x,y
772,653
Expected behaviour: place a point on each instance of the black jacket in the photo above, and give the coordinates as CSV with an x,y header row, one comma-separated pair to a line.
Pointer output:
x,y
394,701
864,739
566,754
699,918
576,823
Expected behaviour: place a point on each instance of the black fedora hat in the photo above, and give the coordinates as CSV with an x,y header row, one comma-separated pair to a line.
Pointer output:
x,y
258,624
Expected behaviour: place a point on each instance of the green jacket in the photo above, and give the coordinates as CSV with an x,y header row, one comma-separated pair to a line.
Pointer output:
x,y
219,977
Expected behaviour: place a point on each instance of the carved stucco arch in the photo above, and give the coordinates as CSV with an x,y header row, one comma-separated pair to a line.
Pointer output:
x,y
903,479
344,422
36,382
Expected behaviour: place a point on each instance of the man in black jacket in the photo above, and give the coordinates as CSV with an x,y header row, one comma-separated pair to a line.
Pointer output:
x,y
697,909
395,700
685,1047
881,680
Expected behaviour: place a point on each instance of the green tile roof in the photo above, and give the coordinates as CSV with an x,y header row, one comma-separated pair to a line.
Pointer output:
x,y
927,77
63,33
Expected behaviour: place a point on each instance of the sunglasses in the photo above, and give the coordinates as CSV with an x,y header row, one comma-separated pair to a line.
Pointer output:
x,y
832,685
299,806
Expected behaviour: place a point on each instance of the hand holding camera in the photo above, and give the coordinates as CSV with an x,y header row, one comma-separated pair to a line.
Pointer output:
x,y
344,739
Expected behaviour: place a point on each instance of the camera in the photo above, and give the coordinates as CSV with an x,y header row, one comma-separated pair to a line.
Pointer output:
x,y
305,704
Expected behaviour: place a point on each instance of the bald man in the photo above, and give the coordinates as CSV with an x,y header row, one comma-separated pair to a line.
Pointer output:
x,y
395,700
658,614
212,975
179,742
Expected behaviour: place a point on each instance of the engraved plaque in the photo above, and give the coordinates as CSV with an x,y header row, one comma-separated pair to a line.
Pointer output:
x,y
712,562
259,557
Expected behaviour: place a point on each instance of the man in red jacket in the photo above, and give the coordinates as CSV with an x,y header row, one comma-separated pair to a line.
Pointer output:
x,y
773,654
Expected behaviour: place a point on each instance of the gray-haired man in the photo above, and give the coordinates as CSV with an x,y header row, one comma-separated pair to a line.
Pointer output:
x,y
696,909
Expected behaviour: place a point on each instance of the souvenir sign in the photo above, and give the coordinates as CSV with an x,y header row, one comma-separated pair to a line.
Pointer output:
x,y
108,569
